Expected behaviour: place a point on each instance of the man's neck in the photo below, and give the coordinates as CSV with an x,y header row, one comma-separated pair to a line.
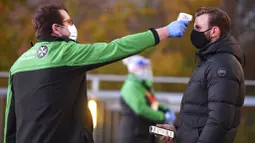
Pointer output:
x,y
54,35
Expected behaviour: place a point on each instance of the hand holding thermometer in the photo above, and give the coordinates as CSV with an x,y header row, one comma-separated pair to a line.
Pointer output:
x,y
178,27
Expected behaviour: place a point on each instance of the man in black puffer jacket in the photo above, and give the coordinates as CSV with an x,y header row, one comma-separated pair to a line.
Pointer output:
x,y
211,105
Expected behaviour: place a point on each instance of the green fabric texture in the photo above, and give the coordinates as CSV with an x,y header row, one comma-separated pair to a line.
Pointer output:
x,y
133,92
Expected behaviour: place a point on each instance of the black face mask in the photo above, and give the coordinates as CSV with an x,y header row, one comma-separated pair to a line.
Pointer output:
x,y
198,39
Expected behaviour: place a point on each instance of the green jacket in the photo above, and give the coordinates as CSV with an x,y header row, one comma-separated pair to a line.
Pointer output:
x,y
133,93
46,100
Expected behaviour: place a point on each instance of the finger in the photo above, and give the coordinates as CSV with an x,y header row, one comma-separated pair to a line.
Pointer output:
x,y
160,125
167,126
169,140
166,138
182,27
180,34
182,30
163,138
185,22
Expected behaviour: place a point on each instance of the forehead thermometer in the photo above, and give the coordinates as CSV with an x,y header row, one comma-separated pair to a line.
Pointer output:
x,y
184,16
160,131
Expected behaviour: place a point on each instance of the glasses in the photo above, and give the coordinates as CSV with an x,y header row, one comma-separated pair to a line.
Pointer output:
x,y
69,21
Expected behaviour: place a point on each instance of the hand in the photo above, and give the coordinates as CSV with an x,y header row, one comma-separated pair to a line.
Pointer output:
x,y
169,116
177,28
168,127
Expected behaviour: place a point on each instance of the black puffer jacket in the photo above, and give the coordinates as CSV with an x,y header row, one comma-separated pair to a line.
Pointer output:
x,y
210,109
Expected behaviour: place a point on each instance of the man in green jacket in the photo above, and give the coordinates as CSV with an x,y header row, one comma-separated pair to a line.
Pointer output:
x,y
47,101
139,107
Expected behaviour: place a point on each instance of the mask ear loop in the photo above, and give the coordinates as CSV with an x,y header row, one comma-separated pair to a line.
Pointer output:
x,y
209,30
57,25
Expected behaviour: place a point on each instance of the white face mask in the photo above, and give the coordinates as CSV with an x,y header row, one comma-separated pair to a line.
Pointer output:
x,y
144,74
139,66
74,34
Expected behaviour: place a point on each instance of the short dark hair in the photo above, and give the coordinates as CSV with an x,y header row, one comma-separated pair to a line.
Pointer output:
x,y
217,17
44,17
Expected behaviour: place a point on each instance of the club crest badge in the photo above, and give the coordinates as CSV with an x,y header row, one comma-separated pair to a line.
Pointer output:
x,y
42,52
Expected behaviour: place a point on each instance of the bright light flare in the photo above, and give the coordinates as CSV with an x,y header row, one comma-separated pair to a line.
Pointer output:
x,y
93,109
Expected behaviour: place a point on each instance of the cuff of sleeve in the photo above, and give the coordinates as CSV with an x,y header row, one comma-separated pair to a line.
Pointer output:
x,y
155,34
162,109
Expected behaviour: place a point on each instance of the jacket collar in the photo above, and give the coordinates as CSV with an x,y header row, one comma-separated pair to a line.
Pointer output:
x,y
54,38
225,44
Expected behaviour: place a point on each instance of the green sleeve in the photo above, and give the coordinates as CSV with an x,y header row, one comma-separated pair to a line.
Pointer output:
x,y
75,54
134,96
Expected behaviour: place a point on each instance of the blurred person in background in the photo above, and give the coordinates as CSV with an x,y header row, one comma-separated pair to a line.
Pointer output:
x,y
46,99
139,106
211,105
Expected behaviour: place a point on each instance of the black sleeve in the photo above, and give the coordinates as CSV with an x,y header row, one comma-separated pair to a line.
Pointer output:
x,y
223,89
10,118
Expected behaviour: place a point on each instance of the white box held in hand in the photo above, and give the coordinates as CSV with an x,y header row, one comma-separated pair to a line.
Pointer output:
x,y
160,131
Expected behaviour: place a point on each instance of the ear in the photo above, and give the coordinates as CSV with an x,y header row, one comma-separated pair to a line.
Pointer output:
x,y
55,30
215,32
